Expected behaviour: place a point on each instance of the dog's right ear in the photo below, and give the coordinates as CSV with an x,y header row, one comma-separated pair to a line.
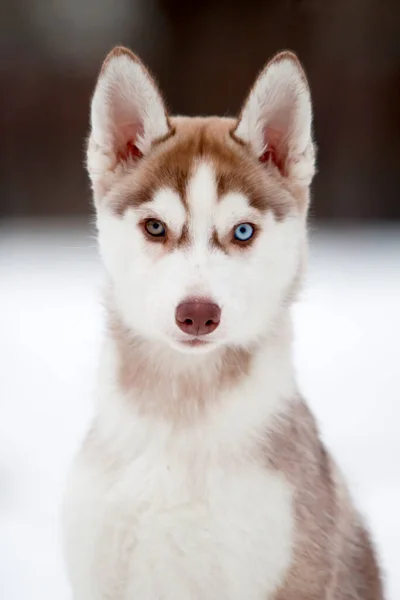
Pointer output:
x,y
127,115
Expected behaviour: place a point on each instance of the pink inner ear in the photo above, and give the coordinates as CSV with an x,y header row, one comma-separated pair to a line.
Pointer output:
x,y
274,152
268,155
129,151
126,137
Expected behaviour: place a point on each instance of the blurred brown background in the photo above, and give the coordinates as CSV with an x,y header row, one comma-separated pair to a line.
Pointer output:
x,y
205,54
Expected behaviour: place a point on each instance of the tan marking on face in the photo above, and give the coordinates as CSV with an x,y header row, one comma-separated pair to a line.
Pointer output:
x,y
217,243
186,394
171,164
325,561
184,238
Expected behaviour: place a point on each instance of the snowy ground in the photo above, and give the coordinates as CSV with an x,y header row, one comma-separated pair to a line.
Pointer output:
x,y
348,327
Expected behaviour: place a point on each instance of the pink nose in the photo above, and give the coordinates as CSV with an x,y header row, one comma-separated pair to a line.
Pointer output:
x,y
198,317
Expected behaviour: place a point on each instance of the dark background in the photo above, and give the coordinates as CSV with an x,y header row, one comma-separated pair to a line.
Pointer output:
x,y
205,55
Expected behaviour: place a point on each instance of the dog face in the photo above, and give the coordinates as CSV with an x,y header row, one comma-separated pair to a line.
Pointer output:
x,y
201,221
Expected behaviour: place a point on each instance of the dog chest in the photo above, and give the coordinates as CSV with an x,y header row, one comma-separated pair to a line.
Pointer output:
x,y
167,531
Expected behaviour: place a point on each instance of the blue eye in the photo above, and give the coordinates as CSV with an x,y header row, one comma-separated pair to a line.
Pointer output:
x,y
155,228
244,232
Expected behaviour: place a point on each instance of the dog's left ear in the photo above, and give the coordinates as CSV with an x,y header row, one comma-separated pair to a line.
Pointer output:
x,y
275,121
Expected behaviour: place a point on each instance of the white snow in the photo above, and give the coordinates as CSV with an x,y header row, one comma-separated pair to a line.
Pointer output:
x,y
347,335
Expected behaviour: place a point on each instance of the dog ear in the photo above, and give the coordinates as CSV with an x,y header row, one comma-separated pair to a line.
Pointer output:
x,y
275,121
127,114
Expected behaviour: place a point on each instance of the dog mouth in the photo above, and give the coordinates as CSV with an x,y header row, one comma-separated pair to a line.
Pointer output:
x,y
194,342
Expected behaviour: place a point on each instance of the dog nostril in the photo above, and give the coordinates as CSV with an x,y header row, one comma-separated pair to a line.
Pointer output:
x,y
198,317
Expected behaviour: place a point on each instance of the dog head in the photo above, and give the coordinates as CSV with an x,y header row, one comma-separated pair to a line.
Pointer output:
x,y
201,221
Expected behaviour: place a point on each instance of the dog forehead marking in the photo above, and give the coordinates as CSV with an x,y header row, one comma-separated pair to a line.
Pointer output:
x,y
202,197
196,140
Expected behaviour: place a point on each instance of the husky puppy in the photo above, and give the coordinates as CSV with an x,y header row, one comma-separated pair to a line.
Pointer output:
x,y
203,476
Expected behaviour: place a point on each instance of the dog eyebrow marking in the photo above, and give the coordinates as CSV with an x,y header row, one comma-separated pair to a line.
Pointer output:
x,y
234,205
167,205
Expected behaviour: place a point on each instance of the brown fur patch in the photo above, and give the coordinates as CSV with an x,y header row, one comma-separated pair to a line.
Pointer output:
x,y
186,393
184,238
172,161
216,242
332,557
